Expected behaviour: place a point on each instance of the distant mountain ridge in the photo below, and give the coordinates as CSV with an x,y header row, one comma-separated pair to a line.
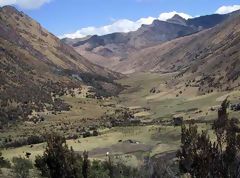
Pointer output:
x,y
208,60
117,46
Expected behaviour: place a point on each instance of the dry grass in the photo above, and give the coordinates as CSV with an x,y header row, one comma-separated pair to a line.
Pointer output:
x,y
152,140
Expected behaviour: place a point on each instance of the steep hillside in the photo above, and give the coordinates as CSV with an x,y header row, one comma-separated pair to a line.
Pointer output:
x,y
209,60
116,47
36,67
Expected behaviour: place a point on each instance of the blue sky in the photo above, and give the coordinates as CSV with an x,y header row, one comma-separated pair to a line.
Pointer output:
x,y
67,16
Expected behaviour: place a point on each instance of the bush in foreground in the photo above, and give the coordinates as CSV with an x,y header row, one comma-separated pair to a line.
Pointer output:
x,y
201,157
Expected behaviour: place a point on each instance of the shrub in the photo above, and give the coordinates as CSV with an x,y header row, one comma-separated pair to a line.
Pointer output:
x,y
21,167
3,162
33,139
98,170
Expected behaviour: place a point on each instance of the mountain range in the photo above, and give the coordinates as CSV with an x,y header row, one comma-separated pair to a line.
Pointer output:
x,y
112,49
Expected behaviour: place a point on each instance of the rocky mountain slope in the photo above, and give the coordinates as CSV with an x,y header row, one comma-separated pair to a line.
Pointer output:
x,y
36,67
209,59
116,47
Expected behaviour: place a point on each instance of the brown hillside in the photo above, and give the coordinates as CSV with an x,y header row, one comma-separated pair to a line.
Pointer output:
x,y
35,67
212,56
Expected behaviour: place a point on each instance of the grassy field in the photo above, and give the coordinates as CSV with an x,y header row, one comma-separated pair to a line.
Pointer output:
x,y
148,140
166,103
84,111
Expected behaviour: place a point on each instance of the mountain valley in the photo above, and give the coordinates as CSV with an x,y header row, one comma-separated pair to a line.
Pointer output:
x,y
120,96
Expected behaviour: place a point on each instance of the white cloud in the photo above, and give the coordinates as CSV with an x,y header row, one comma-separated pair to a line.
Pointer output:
x,y
122,25
168,15
227,9
25,4
7,2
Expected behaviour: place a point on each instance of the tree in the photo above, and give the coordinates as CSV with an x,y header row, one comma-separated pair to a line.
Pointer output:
x,y
21,167
58,161
202,158
41,165
86,165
